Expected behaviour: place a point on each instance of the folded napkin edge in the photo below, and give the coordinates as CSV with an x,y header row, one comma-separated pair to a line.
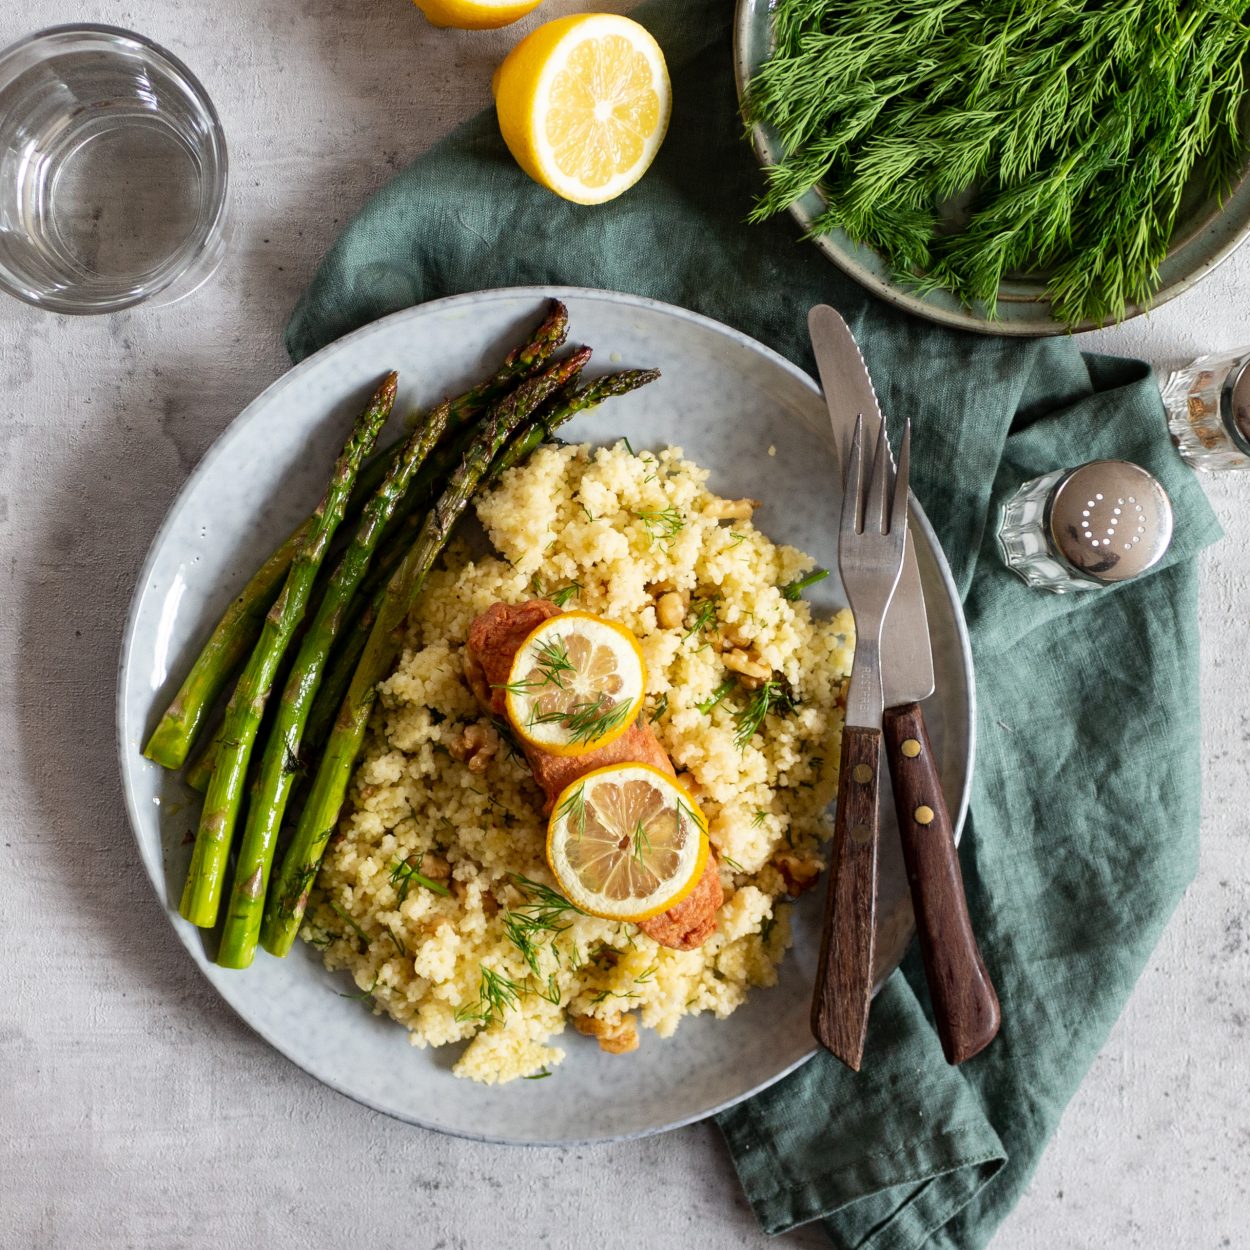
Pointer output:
x,y
823,1194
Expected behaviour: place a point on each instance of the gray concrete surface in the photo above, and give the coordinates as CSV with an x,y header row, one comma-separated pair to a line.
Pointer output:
x,y
134,1109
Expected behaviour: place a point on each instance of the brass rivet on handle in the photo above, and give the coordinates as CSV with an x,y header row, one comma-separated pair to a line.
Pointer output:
x,y
860,833
923,814
910,748
862,773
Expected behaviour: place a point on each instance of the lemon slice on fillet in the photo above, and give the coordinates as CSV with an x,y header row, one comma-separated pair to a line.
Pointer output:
x,y
583,104
626,842
576,683
475,14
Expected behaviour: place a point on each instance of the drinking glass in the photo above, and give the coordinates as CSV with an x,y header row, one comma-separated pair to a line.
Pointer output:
x,y
113,172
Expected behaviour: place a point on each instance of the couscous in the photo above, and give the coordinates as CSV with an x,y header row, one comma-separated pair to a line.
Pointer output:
x,y
435,893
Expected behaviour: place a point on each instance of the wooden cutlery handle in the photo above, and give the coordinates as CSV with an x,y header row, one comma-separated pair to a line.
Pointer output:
x,y
965,1003
844,976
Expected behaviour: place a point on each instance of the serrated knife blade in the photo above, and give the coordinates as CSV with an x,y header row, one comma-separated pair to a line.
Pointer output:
x,y
906,654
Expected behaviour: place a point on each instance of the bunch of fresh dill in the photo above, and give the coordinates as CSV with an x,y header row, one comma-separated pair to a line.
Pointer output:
x,y
1070,128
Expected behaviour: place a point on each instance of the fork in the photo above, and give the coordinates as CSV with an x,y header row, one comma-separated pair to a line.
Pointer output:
x,y
870,558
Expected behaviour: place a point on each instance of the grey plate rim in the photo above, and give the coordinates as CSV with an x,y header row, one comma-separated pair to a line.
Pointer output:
x,y
1022,312
219,448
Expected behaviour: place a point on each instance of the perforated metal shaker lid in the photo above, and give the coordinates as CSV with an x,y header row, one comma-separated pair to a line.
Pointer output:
x,y
1110,519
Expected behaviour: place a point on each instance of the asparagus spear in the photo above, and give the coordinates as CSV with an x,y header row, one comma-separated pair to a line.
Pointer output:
x,y
288,894
235,634
564,407
339,673
201,895
400,531
282,751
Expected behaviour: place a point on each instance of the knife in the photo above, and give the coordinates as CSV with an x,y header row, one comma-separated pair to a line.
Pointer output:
x,y
965,1004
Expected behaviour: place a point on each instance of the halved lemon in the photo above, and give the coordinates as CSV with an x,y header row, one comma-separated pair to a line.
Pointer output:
x,y
583,104
576,683
475,14
626,842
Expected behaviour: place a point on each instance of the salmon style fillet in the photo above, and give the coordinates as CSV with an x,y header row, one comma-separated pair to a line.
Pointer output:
x,y
494,639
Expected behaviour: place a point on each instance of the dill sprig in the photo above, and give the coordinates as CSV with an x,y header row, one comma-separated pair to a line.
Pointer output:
x,y
342,914
497,994
564,594
702,616
640,843
539,921
551,663
772,696
573,809
365,996
404,875
717,696
658,708
794,590
586,721
970,141
662,523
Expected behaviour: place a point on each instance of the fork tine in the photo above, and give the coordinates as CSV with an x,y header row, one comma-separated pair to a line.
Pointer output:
x,y
853,490
879,486
898,512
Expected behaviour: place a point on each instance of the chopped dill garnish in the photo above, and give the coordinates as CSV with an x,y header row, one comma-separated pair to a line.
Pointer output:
x,y
629,447
737,538
658,708
365,996
640,841
759,818
689,815
647,974
542,895
405,875
588,720
551,662
604,994
496,995
399,946
550,992
733,863
772,696
541,919
540,1075
574,810
507,737
348,921
717,696
299,890
323,939
590,516
662,523
704,611
562,596
794,590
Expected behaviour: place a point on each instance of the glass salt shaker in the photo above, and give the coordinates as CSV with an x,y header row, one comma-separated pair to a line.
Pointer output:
x,y
1085,528
1208,406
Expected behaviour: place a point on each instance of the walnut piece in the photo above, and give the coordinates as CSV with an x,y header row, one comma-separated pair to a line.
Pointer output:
x,y
618,1036
799,872
476,746
670,610
738,661
731,509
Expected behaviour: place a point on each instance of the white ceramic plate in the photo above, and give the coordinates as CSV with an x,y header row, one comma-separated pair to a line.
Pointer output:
x,y
725,399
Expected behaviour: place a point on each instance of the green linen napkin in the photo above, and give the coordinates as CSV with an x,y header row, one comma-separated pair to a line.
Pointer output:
x,y
1083,826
